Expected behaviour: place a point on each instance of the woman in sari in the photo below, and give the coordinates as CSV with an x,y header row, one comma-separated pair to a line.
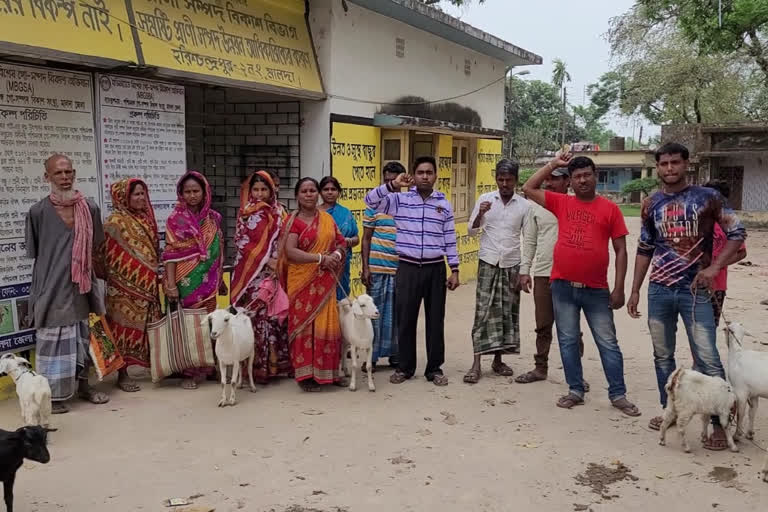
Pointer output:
x,y
131,251
254,282
311,254
193,255
330,189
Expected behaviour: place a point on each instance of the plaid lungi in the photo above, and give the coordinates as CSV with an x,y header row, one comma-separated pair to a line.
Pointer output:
x,y
382,292
60,354
497,310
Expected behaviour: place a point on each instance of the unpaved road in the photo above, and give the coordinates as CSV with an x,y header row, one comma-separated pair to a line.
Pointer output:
x,y
495,446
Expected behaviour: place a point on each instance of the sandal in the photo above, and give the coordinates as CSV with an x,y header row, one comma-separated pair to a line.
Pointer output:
x,y
472,376
309,386
569,401
59,408
188,384
716,442
655,423
532,376
93,396
502,369
438,379
398,377
626,407
128,385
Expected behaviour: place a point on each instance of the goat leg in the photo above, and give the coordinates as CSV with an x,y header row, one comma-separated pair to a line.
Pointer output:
x,y
682,423
353,377
752,413
250,371
741,413
667,420
369,355
8,491
235,378
765,470
223,373
728,435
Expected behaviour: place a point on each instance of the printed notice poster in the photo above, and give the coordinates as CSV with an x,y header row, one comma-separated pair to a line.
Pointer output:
x,y
141,135
488,155
42,111
356,163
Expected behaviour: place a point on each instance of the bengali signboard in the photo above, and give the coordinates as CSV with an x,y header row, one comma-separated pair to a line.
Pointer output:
x,y
488,155
142,135
247,40
356,163
42,111
97,28
444,164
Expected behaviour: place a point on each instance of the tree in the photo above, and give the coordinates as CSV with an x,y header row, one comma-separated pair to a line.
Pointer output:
x,y
643,185
532,119
659,74
560,77
719,26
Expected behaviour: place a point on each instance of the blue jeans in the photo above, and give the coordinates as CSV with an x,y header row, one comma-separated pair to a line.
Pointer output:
x,y
568,303
665,303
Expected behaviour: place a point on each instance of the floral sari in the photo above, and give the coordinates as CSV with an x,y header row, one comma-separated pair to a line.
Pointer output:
x,y
131,254
313,320
193,241
253,281
348,228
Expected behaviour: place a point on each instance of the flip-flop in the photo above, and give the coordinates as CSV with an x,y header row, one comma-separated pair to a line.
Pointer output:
x,y
438,380
398,377
626,407
569,401
94,397
59,408
472,376
128,385
502,369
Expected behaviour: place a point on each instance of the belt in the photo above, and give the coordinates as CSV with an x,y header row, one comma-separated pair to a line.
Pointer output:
x,y
574,284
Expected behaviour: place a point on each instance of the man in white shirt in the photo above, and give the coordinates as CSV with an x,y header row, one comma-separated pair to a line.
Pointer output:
x,y
539,237
500,216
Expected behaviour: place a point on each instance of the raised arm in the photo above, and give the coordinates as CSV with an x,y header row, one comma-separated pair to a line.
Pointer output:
x,y
384,198
532,187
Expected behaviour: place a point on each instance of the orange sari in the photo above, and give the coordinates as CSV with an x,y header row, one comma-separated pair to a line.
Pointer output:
x,y
313,320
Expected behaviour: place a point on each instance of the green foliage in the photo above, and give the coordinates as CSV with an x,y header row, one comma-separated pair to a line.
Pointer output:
x,y
643,185
744,25
524,175
661,75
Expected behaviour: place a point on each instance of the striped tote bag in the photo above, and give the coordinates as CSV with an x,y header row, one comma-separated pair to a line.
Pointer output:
x,y
179,341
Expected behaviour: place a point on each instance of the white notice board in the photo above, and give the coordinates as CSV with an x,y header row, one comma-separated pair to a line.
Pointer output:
x,y
42,111
142,135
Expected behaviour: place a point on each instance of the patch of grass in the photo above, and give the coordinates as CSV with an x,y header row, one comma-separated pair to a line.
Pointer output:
x,y
630,210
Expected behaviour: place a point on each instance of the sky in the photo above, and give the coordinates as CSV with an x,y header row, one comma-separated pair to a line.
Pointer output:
x,y
571,31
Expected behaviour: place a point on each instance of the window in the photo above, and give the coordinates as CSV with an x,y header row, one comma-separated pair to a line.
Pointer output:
x,y
602,177
392,149
400,47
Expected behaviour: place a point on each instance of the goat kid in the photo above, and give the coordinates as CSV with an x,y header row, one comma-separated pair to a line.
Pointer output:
x,y
234,339
357,332
25,443
33,390
748,375
691,393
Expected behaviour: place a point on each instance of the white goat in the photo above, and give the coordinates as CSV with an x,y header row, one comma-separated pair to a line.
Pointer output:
x,y
748,375
691,393
234,343
33,390
357,331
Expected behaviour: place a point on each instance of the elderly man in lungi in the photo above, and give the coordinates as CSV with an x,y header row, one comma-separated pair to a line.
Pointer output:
x,y
62,232
500,216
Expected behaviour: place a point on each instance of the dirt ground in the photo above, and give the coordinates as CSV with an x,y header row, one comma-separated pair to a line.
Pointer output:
x,y
495,446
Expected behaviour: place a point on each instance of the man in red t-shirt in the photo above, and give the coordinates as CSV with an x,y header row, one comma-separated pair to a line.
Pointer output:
x,y
579,280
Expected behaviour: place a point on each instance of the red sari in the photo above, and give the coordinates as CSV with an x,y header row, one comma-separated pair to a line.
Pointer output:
x,y
313,320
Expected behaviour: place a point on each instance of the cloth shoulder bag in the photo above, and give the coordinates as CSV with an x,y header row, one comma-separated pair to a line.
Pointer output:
x,y
179,341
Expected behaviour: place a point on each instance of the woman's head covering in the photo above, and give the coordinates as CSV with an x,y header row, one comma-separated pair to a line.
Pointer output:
x,y
121,196
246,201
183,236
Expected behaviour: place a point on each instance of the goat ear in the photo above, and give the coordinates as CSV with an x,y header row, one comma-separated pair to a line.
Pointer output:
x,y
356,309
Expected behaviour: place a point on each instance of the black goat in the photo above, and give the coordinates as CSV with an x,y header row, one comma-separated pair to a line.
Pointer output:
x,y
24,443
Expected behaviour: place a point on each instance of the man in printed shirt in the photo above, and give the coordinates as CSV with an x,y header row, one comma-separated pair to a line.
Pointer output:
x,y
539,237
587,223
426,237
500,216
379,259
676,237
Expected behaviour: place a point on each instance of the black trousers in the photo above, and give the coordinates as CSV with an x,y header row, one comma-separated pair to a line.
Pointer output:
x,y
415,283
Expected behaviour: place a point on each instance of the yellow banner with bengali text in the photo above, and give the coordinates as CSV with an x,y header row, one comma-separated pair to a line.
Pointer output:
x,y
356,163
488,155
262,41
97,28
444,164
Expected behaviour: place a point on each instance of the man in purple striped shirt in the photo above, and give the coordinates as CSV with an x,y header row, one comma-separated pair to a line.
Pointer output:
x,y
426,237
